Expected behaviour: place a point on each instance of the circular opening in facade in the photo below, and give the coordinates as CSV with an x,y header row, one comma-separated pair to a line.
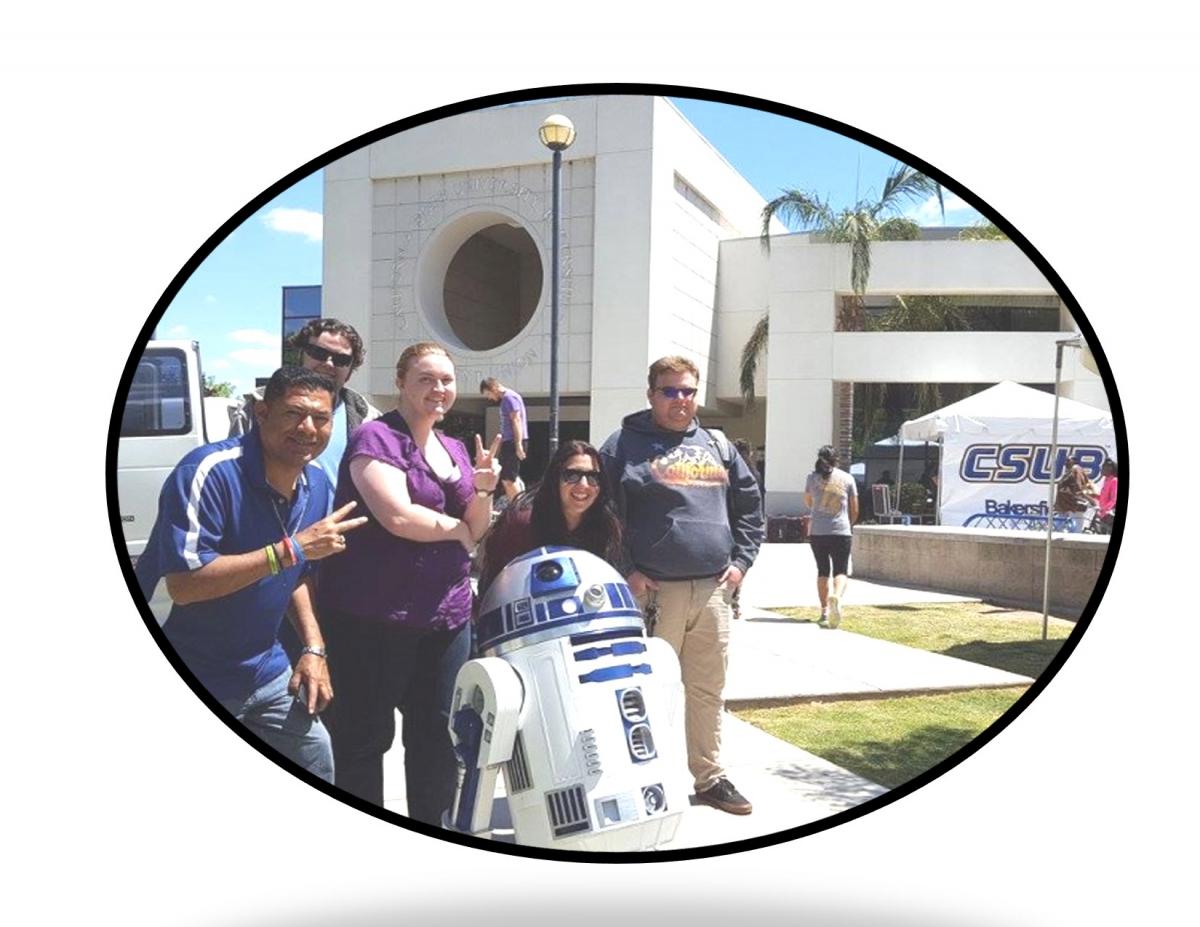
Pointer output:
x,y
492,286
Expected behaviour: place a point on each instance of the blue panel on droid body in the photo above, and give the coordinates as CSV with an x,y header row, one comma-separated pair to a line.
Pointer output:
x,y
551,576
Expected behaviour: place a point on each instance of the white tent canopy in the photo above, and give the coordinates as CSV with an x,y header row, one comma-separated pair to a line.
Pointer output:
x,y
1008,421
1006,408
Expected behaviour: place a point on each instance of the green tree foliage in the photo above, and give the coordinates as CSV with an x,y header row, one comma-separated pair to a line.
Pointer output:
x,y
920,314
858,226
213,388
880,408
899,229
984,231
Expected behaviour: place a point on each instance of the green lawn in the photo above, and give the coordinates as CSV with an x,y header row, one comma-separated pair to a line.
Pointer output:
x,y
888,741
1008,639
891,740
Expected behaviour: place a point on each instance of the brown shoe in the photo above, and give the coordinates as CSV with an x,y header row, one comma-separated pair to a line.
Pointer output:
x,y
722,794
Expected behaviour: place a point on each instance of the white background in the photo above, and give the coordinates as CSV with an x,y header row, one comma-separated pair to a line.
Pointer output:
x,y
131,134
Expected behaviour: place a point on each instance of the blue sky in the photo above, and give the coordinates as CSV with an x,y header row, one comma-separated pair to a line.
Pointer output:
x,y
231,304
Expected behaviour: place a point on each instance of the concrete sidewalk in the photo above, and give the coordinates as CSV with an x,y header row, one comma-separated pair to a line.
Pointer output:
x,y
786,575
774,659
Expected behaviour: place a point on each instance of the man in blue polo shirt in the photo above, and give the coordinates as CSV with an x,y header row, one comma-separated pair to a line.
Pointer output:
x,y
239,524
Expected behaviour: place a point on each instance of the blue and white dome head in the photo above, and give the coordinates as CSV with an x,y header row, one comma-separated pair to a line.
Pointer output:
x,y
551,592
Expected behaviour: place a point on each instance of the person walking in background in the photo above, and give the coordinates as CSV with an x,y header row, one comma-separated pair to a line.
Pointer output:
x,y
929,480
832,498
398,604
570,507
514,433
1074,495
747,454
1108,495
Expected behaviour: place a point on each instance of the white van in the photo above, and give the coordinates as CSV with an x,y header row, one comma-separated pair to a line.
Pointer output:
x,y
165,417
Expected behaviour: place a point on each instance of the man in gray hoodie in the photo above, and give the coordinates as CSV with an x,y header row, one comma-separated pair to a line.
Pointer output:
x,y
693,525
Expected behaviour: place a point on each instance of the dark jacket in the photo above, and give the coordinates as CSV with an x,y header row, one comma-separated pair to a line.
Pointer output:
x,y
690,505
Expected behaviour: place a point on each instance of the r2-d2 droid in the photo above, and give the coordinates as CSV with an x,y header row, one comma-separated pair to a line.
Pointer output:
x,y
581,710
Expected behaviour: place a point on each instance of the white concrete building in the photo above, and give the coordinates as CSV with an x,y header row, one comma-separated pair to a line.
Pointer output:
x,y
443,232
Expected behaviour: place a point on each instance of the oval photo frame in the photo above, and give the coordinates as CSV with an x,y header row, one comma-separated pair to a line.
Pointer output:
x,y
514,209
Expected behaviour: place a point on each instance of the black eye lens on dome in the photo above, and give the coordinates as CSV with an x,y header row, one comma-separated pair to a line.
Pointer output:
x,y
549,571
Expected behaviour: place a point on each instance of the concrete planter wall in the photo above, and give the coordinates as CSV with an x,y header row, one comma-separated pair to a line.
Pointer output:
x,y
989,563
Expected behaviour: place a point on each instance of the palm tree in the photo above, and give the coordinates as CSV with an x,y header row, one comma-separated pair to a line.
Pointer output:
x,y
922,314
859,225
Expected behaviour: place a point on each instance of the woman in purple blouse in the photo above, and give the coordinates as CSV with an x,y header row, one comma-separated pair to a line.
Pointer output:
x,y
396,607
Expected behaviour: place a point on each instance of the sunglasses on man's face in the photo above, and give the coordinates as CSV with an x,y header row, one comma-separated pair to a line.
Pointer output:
x,y
575,476
675,392
320,355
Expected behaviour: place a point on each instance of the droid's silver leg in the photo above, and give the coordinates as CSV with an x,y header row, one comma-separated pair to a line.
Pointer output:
x,y
483,727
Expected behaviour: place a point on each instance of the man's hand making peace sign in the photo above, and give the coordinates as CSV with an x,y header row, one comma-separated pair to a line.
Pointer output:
x,y
328,536
487,466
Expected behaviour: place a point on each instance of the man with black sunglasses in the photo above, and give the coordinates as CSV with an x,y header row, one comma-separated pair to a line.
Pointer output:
x,y
692,514
333,349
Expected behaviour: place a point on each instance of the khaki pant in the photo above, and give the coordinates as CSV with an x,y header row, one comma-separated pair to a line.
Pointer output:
x,y
693,617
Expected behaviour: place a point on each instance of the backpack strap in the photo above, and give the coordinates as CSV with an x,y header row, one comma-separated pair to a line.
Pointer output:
x,y
724,447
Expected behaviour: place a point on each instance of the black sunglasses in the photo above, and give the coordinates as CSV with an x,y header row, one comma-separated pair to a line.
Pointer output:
x,y
575,476
320,355
674,392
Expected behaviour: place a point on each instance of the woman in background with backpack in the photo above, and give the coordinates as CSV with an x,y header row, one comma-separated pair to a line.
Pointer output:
x,y
1075,495
832,498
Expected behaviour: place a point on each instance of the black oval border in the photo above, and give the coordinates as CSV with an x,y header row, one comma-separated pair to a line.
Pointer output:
x,y
632,89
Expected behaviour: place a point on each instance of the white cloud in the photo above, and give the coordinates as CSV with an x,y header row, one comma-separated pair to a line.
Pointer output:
x,y
928,213
262,359
219,364
210,298
295,222
255,336
178,332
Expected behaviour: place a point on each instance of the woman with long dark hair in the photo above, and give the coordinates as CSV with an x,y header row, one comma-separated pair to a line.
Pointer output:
x,y
1075,494
568,508
832,499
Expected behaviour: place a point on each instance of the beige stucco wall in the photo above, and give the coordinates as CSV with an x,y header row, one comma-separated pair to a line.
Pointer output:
x,y
992,564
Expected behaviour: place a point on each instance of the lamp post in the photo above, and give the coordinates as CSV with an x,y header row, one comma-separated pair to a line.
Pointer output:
x,y
1075,342
557,133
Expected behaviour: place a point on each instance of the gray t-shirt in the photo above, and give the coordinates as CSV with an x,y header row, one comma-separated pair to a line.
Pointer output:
x,y
831,502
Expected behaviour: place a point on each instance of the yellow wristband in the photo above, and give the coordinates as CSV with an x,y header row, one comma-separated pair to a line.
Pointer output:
x,y
272,559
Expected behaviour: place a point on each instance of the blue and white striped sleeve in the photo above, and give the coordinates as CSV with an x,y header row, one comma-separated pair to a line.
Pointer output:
x,y
192,511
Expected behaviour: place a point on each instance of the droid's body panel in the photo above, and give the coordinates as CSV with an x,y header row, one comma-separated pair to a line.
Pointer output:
x,y
592,753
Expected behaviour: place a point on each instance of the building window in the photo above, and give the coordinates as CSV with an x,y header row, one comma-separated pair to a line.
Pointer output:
x,y
157,403
959,312
301,304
